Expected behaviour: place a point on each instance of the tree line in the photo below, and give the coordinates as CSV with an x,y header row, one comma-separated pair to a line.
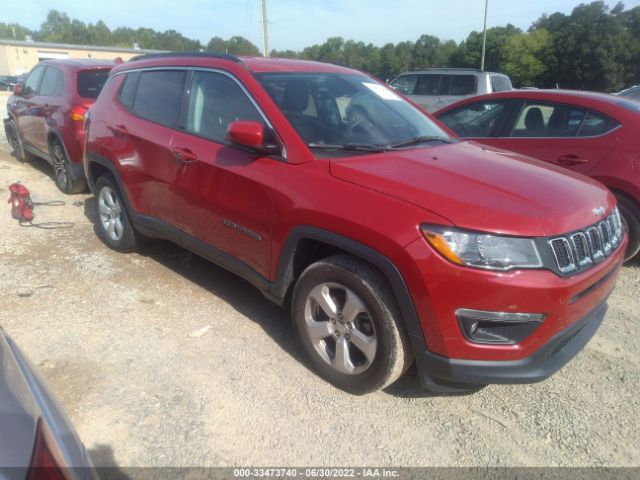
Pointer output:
x,y
592,48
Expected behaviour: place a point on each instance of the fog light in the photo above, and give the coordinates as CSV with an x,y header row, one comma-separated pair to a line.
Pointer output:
x,y
484,327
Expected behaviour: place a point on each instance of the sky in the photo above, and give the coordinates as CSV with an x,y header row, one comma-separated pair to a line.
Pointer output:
x,y
295,24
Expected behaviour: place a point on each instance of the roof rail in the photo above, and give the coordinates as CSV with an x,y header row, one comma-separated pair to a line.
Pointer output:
x,y
223,56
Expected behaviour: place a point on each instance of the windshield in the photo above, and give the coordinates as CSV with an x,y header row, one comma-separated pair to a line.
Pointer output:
x,y
338,110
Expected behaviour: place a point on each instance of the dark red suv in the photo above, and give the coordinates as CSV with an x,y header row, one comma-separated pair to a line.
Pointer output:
x,y
46,114
390,240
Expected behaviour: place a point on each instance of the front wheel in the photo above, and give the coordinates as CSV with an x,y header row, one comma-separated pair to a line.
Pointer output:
x,y
349,325
630,216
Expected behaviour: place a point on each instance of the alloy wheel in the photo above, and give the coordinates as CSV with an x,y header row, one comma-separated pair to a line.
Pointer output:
x,y
60,167
340,328
110,213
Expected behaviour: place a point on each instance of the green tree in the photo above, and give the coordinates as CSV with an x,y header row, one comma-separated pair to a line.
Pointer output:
x,y
591,48
234,46
14,31
526,57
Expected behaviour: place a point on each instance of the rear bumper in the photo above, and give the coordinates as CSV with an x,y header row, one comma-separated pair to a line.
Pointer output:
x,y
438,373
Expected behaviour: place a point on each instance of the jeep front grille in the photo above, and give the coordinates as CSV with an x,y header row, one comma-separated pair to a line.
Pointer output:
x,y
580,250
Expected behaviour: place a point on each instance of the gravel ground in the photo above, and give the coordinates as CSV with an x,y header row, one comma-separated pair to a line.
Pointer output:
x,y
110,333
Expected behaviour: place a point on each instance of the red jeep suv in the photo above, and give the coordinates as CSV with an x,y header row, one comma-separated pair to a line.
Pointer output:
x,y
46,114
390,240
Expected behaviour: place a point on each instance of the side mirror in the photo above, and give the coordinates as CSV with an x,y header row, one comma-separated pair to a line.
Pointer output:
x,y
246,134
17,89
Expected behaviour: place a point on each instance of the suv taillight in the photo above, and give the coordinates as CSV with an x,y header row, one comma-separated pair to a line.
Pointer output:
x,y
77,113
47,461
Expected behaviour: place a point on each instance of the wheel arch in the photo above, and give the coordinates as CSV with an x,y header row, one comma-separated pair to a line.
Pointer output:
x,y
306,244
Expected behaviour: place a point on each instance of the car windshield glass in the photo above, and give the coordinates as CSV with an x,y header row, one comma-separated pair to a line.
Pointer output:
x,y
350,110
90,82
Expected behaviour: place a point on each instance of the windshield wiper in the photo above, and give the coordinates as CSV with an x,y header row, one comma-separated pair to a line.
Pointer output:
x,y
420,139
358,147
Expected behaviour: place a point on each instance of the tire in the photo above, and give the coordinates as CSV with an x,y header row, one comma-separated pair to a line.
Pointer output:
x,y
13,137
630,213
364,350
113,224
63,174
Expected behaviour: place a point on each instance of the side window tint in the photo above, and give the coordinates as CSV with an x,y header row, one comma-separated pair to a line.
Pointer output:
x,y
215,101
475,120
33,81
445,85
128,89
463,85
52,83
594,125
405,84
159,95
428,84
548,120
500,84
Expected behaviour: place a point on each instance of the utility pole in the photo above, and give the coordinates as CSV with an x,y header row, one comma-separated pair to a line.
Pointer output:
x,y
265,33
484,34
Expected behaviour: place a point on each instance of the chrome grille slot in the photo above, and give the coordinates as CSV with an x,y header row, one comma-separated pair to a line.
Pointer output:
x,y
613,230
581,247
564,255
605,231
595,242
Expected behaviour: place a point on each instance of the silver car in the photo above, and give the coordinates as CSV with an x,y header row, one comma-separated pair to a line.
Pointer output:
x,y
36,438
433,88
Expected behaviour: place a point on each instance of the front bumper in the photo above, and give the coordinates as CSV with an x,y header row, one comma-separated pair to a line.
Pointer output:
x,y
438,373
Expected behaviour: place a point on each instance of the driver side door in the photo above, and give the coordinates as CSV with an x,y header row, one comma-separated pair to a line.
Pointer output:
x,y
224,194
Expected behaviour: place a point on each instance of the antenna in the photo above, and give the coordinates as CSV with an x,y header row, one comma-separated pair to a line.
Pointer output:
x,y
265,33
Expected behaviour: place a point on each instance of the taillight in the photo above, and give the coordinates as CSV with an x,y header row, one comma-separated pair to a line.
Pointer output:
x,y
77,113
47,462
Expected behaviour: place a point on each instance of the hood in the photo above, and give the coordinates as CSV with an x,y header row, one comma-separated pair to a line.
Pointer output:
x,y
482,188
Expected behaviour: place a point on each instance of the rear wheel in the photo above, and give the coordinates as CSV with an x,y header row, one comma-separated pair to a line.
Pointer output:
x,y
63,174
349,325
113,225
630,215
11,131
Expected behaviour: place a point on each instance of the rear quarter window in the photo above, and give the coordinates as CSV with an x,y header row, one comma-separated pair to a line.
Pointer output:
x,y
500,83
128,89
90,82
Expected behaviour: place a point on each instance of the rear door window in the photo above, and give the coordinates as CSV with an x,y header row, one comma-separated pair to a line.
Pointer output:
x,y
52,83
558,120
428,84
159,95
90,82
215,100
32,84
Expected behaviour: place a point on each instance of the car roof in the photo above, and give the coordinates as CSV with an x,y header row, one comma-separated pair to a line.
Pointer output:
x,y
251,63
564,96
79,63
461,71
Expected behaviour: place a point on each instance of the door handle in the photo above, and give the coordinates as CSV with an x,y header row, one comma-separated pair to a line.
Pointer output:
x,y
119,130
184,154
571,159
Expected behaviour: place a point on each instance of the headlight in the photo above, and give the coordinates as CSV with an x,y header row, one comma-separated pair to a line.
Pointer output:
x,y
482,250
